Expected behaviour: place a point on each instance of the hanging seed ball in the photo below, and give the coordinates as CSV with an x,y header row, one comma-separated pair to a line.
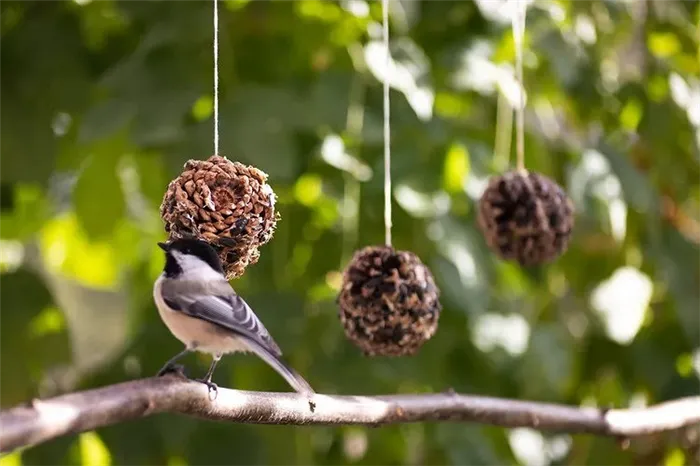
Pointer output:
x,y
526,217
389,304
226,203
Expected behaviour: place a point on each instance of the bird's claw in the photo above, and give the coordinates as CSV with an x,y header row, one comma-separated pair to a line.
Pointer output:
x,y
172,368
213,388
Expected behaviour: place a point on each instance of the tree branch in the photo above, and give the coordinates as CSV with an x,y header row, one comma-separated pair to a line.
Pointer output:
x,y
42,420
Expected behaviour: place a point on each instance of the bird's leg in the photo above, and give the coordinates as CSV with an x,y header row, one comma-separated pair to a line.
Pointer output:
x,y
207,378
168,367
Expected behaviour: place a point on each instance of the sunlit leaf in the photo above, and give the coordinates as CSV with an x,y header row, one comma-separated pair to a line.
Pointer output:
x,y
664,44
50,320
69,251
631,115
11,459
93,452
456,168
203,108
307,189
406,69
621,302
675,457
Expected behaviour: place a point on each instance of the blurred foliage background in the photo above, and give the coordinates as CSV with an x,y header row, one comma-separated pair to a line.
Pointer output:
x,y
103,102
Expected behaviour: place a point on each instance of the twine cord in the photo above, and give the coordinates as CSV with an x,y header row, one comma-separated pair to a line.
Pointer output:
x,y
518,21
387,127
216,77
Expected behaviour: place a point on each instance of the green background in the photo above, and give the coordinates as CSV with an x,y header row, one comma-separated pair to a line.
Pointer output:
x,y
103,102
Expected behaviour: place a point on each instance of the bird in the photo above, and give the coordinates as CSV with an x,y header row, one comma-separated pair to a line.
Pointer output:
x,y
201,309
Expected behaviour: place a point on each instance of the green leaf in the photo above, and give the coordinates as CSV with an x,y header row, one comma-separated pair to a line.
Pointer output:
x,y
98,197
467,445
160,117
638,191
679,268
105,119
23,299
29,210
548,366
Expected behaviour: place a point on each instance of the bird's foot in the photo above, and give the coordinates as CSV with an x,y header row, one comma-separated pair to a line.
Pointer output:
x,y
178,369
213,388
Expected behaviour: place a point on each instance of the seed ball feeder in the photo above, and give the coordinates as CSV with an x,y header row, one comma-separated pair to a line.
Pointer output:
x,y
228,204
389,304
525,217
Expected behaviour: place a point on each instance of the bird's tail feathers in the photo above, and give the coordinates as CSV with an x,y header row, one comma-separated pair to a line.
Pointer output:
x,y
290,375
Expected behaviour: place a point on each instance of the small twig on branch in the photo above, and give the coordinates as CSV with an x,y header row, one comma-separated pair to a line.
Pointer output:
x,y
42,420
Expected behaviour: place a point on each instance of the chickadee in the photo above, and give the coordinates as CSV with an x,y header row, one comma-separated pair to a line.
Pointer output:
x,y
201,310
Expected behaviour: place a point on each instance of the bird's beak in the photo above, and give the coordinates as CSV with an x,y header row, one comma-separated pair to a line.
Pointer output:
x,y
163,246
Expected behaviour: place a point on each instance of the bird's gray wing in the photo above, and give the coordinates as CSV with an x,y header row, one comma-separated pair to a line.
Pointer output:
x,y
225,309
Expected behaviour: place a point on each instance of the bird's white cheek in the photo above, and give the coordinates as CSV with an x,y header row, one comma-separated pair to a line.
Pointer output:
x,y
194,267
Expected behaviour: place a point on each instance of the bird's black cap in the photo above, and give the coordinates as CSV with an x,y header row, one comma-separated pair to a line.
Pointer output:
x,y
194,247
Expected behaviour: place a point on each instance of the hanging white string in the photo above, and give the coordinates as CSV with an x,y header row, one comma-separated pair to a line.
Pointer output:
x,y
216,77
518,37
504,132
387,127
